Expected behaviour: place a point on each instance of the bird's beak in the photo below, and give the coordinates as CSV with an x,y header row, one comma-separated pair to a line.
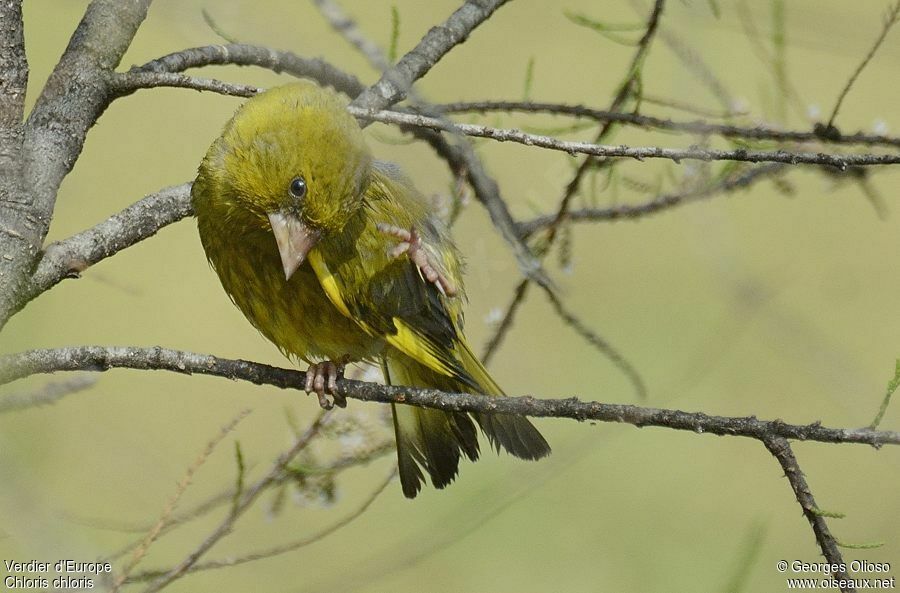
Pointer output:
x,y
294,239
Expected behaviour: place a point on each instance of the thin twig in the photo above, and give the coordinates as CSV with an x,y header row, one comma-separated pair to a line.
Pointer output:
x,y
396,82
701,127
224,528
506,323
46,395
781,449
839,161
126,83
180,489
242,54
210,504
349,29
891,19
659,203
100,358
627,90
597,341
284,548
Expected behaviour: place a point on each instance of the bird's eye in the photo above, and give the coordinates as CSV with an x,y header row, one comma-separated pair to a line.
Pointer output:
x,y
298,188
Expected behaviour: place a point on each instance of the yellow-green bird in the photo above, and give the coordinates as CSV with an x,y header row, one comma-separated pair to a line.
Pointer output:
x,y
336,258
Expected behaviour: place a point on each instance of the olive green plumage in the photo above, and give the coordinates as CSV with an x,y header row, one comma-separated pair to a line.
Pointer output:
x,y
325,285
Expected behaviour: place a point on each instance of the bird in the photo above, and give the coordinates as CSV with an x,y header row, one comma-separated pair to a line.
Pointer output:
x,y
336,258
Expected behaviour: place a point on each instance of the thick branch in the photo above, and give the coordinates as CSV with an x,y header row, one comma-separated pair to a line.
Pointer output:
x,y
99,358
73,98
13,82
781,449
76,93
20,237
143,219
396,82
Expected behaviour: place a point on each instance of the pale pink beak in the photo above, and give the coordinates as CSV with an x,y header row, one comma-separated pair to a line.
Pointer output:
x,y
294,239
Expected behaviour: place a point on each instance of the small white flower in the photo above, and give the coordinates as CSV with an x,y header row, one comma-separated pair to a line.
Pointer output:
x,y
880,127
813,111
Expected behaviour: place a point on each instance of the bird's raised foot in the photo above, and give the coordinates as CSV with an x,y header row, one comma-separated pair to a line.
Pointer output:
x,y
321,379
411,244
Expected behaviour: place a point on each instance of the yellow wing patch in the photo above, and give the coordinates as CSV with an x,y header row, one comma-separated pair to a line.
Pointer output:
x,y
329,284
411,343
406,340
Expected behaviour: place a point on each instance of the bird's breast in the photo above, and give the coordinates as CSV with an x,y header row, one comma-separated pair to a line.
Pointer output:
x,y
296,314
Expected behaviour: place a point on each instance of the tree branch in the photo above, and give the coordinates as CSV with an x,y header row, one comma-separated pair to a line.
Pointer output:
x,y
99,359
126,83
13,82
73,98
892,18
13,77
700,127
239,54
246,500
46,395
143,219
349,30
781,450
283,548
20,237
839,161
657,204
396,82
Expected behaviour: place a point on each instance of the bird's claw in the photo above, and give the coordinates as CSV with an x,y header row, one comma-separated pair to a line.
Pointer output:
x,y
411,244
321,379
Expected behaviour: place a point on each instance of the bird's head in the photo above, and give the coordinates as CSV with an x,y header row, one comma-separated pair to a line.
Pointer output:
x,y
292,162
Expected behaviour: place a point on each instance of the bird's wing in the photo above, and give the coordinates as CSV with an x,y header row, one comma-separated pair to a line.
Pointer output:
x,y
387,296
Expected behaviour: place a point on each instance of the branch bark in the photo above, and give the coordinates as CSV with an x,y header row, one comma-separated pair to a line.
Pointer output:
x,y
697,126
395,83
141,220
75,95
20,238
100,358
781,449
694,153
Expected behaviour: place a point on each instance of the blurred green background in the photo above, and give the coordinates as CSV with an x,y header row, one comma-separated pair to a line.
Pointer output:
x,y
766,302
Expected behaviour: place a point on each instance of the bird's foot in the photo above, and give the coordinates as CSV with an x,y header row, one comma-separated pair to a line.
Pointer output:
x,y
321,379
411,244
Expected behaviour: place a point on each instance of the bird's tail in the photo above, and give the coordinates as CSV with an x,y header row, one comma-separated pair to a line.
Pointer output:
x,y
433,440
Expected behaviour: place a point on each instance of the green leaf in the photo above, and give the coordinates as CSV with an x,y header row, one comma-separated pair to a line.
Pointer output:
x,y
529,79
830,514
892,386
395,34
239,480
608,30
863,546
